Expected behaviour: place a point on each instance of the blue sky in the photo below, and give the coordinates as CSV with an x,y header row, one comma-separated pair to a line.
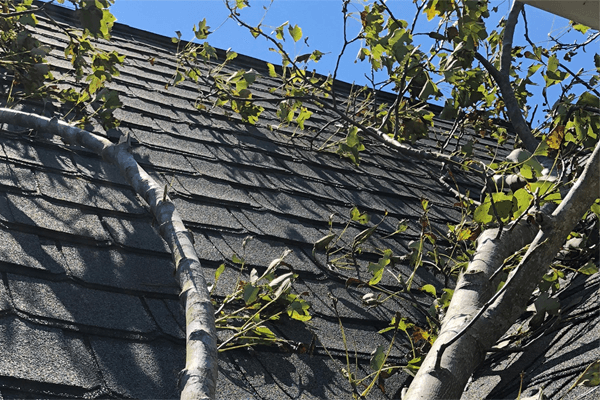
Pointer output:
x,y
320,20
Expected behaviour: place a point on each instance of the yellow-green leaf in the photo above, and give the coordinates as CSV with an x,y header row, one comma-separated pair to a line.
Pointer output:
x,y
250,293
588,269
296,32
219,271
378,358
591,375
429,289
272,72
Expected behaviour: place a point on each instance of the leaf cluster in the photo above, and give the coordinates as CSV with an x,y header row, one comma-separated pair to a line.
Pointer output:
x,y
25,57
257,302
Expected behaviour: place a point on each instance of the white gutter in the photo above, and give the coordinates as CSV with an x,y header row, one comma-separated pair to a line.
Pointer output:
x,y
586,12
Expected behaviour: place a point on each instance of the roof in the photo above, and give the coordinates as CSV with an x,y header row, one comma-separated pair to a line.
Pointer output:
x,y
88,304
585,12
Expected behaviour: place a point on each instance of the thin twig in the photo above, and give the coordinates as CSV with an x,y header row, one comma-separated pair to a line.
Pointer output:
x,y
30,11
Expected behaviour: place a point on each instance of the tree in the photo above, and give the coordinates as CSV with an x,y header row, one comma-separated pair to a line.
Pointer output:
x,y
482,79
490,80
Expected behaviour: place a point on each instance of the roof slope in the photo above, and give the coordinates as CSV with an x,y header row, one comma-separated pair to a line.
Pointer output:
x,y
88,303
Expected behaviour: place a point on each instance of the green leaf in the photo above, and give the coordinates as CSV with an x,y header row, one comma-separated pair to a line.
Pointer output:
x,y
402,226
279,31
364,235
250,76
482,213
360,217
219,271
547,189
552,63
295,32
264,331
526,172
505,206
236,260
202,31
533,68
428,90
414,364
431,11
542,149
588,99
303,115
230,55
436,36
523,200
322,243
272,72
250,293
588,269
298,310
591,375
353,140
596,208
429,289
580,28
240,4
467,148
378,358
316,55
377,269
303,58
255,31
446,298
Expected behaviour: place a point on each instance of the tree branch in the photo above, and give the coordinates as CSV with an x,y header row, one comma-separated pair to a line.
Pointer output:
x,y
512,106
507,39
30,11
199,378
502,79
472,293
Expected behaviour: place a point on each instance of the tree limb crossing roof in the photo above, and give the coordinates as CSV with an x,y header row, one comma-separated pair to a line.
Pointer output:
x,y
88,303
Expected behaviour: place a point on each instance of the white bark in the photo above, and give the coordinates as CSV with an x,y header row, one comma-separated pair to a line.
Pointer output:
x,y
474,289
199,378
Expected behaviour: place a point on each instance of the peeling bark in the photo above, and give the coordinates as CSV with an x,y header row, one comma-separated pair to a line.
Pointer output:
x,y
474,290
199,378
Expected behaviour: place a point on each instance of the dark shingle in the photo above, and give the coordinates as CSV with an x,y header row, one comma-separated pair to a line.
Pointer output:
x,y
75,304
142,370
37,354
135,234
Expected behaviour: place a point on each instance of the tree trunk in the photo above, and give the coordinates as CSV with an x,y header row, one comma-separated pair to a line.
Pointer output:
x,y
458,361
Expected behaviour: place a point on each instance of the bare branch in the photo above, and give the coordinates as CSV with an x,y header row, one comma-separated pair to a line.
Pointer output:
x,y
507,40
502,79
199,378
30,11
512,106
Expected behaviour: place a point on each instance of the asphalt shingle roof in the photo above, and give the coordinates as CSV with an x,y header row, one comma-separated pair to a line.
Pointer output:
x,y
88,303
